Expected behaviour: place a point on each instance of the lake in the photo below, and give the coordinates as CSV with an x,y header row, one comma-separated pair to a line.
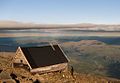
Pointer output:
x,y
46,36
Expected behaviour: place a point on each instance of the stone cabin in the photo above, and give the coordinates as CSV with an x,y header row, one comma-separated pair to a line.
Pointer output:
x,y
41,59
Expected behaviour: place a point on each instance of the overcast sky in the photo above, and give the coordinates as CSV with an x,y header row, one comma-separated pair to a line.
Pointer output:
x,y
61,11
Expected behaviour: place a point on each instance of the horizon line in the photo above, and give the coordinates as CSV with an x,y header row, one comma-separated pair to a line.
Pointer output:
x,y
73,23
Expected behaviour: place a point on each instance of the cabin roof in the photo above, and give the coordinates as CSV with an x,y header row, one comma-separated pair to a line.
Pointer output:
x,y
44,55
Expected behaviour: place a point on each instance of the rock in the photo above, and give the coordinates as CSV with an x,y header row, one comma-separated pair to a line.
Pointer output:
x,y
36,81
1,70
23,77
4,75
8,81
17,81
13,76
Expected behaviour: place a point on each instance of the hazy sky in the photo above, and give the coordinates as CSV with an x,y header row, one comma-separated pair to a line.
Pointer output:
x,y
61,11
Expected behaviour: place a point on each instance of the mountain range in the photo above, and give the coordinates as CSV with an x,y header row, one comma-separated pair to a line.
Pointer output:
x,y
81,26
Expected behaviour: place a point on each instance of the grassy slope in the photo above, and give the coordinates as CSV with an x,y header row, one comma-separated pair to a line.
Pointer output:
x,y
95,59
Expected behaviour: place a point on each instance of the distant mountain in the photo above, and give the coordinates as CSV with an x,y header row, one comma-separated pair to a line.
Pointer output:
x,y
82,26
13,24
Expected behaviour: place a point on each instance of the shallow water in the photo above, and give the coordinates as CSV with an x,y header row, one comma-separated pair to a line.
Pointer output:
x,y
23,41
50,35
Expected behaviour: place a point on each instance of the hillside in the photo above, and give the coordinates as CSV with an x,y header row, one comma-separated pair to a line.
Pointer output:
x,y
9,74
95,57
